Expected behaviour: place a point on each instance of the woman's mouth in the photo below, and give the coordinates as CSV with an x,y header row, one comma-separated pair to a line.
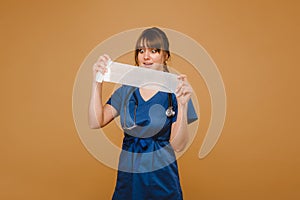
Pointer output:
x,y
147,64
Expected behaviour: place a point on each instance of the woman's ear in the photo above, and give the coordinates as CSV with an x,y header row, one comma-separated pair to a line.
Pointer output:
x,y
166,56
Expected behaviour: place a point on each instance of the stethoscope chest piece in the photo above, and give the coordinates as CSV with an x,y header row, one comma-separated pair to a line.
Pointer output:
x,y
170,112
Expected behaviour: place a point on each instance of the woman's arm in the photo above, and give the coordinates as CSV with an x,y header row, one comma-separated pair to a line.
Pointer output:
x,y
179,132
99,115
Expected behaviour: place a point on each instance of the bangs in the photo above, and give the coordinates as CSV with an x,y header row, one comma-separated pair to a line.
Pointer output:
x,y
152,38
150,41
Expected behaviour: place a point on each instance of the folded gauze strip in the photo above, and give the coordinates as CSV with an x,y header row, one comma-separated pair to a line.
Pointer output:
x,y
139,77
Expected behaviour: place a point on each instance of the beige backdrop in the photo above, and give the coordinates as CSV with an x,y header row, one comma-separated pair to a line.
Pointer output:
x,y
254,43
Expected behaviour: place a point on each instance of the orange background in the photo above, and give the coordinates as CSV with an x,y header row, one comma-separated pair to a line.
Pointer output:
x,y
255,45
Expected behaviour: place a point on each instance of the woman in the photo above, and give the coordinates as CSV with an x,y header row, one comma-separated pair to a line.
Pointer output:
x,y
147,165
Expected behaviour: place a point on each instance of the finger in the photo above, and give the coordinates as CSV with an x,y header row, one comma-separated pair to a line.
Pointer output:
x,y
102,59
101,63
107,58
179,87
96,67
186,92
100,69
182,77
186,86
178,94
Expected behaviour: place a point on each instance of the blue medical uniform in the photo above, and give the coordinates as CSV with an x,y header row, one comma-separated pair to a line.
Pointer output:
x,y
147,166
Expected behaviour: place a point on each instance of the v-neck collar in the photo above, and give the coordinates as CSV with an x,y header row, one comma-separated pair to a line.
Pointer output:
x,y
148,100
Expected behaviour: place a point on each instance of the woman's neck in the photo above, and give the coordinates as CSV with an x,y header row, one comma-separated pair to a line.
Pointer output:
x,y
147,94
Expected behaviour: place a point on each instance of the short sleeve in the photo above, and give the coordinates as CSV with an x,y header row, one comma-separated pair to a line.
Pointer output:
x,y
119,96
191,113
116,99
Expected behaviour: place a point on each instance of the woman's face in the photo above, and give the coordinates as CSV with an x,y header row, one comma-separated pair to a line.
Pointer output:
x,y
151,58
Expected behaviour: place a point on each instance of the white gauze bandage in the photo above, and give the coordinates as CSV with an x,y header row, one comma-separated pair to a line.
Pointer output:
x,y
139,77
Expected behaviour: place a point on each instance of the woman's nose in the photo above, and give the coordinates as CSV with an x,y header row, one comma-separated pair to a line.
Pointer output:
x,y
146,55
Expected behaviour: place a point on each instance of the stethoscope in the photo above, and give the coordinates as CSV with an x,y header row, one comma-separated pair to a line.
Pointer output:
x,y
169,112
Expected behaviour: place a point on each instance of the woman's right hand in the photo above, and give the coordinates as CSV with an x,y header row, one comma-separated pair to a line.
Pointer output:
x,y
100,65
99,114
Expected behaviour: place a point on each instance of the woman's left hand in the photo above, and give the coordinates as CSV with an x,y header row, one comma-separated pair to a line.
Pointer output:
x,y
183,90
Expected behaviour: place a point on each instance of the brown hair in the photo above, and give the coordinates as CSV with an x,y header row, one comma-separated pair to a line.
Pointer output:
x,y
153,38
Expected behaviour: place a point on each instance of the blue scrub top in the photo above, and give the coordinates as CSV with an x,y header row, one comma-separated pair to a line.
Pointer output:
x,y
147,165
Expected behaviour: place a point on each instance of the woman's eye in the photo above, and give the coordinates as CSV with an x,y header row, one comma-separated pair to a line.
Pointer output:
x,y
154,50
141,51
